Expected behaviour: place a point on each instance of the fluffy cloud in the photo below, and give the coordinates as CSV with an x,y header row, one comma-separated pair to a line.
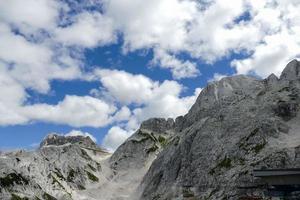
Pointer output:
x,y
88,30
180,69
151,97
125,87
34,64
80,133
147,98
75,111
44,40
30,15
267,32
278,23
159,24
114,138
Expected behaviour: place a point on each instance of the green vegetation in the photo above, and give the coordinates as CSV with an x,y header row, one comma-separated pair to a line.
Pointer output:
x,y
91,167
47,196
11,179
59,174
16,197
54,180
259,147
92,177
249,146
187,193
225,163
163,141
85,155
71,175
152,149
81,187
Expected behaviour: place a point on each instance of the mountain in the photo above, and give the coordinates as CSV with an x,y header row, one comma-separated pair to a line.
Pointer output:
x,y
236,125
59,169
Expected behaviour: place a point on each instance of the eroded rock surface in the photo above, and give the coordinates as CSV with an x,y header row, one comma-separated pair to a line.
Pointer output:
x,y
59,169
236,125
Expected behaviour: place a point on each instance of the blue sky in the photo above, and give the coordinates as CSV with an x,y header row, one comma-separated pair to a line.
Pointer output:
x,y
101,67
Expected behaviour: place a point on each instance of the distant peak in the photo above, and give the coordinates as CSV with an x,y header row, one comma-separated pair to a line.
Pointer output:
x,y
291,71
272,79
57,140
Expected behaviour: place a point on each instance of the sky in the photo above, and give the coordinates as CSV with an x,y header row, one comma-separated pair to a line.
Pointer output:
x,y
101,67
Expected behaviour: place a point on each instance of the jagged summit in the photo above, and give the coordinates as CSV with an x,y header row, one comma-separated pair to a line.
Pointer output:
x,y
272,79
236,125
57,140
291,71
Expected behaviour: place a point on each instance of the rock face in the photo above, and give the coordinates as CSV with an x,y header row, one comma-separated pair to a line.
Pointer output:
x,y
59,169
57,140
236,125
143,146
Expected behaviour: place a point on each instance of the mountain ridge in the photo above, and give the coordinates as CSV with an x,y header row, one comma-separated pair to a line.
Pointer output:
x,y
236,125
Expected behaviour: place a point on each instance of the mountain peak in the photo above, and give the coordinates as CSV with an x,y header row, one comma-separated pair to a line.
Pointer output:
x,y
58,140
291,71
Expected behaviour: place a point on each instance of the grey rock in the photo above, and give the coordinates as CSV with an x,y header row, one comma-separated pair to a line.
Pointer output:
x,y
272,79
142,147
292,71
52,171
57,140
236,125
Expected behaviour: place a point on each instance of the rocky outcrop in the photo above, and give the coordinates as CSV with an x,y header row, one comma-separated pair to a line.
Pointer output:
x,y
142,147
291,72
236,125
57,140
60,169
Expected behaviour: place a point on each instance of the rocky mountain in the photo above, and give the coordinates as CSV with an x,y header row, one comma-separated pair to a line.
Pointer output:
x,y
57,140
59,169
236,125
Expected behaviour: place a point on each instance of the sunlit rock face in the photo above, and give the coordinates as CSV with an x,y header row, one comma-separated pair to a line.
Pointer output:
x,y
59,169
237,124
57,140
143,146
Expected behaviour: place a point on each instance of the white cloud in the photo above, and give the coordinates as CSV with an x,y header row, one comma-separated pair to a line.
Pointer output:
x,y
80,133
123,114
35,50
76,111
180,69
114,138
159,24
279,23
125,87
12,94
150,98
30,14
147,97
88,30
32,64
267,31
